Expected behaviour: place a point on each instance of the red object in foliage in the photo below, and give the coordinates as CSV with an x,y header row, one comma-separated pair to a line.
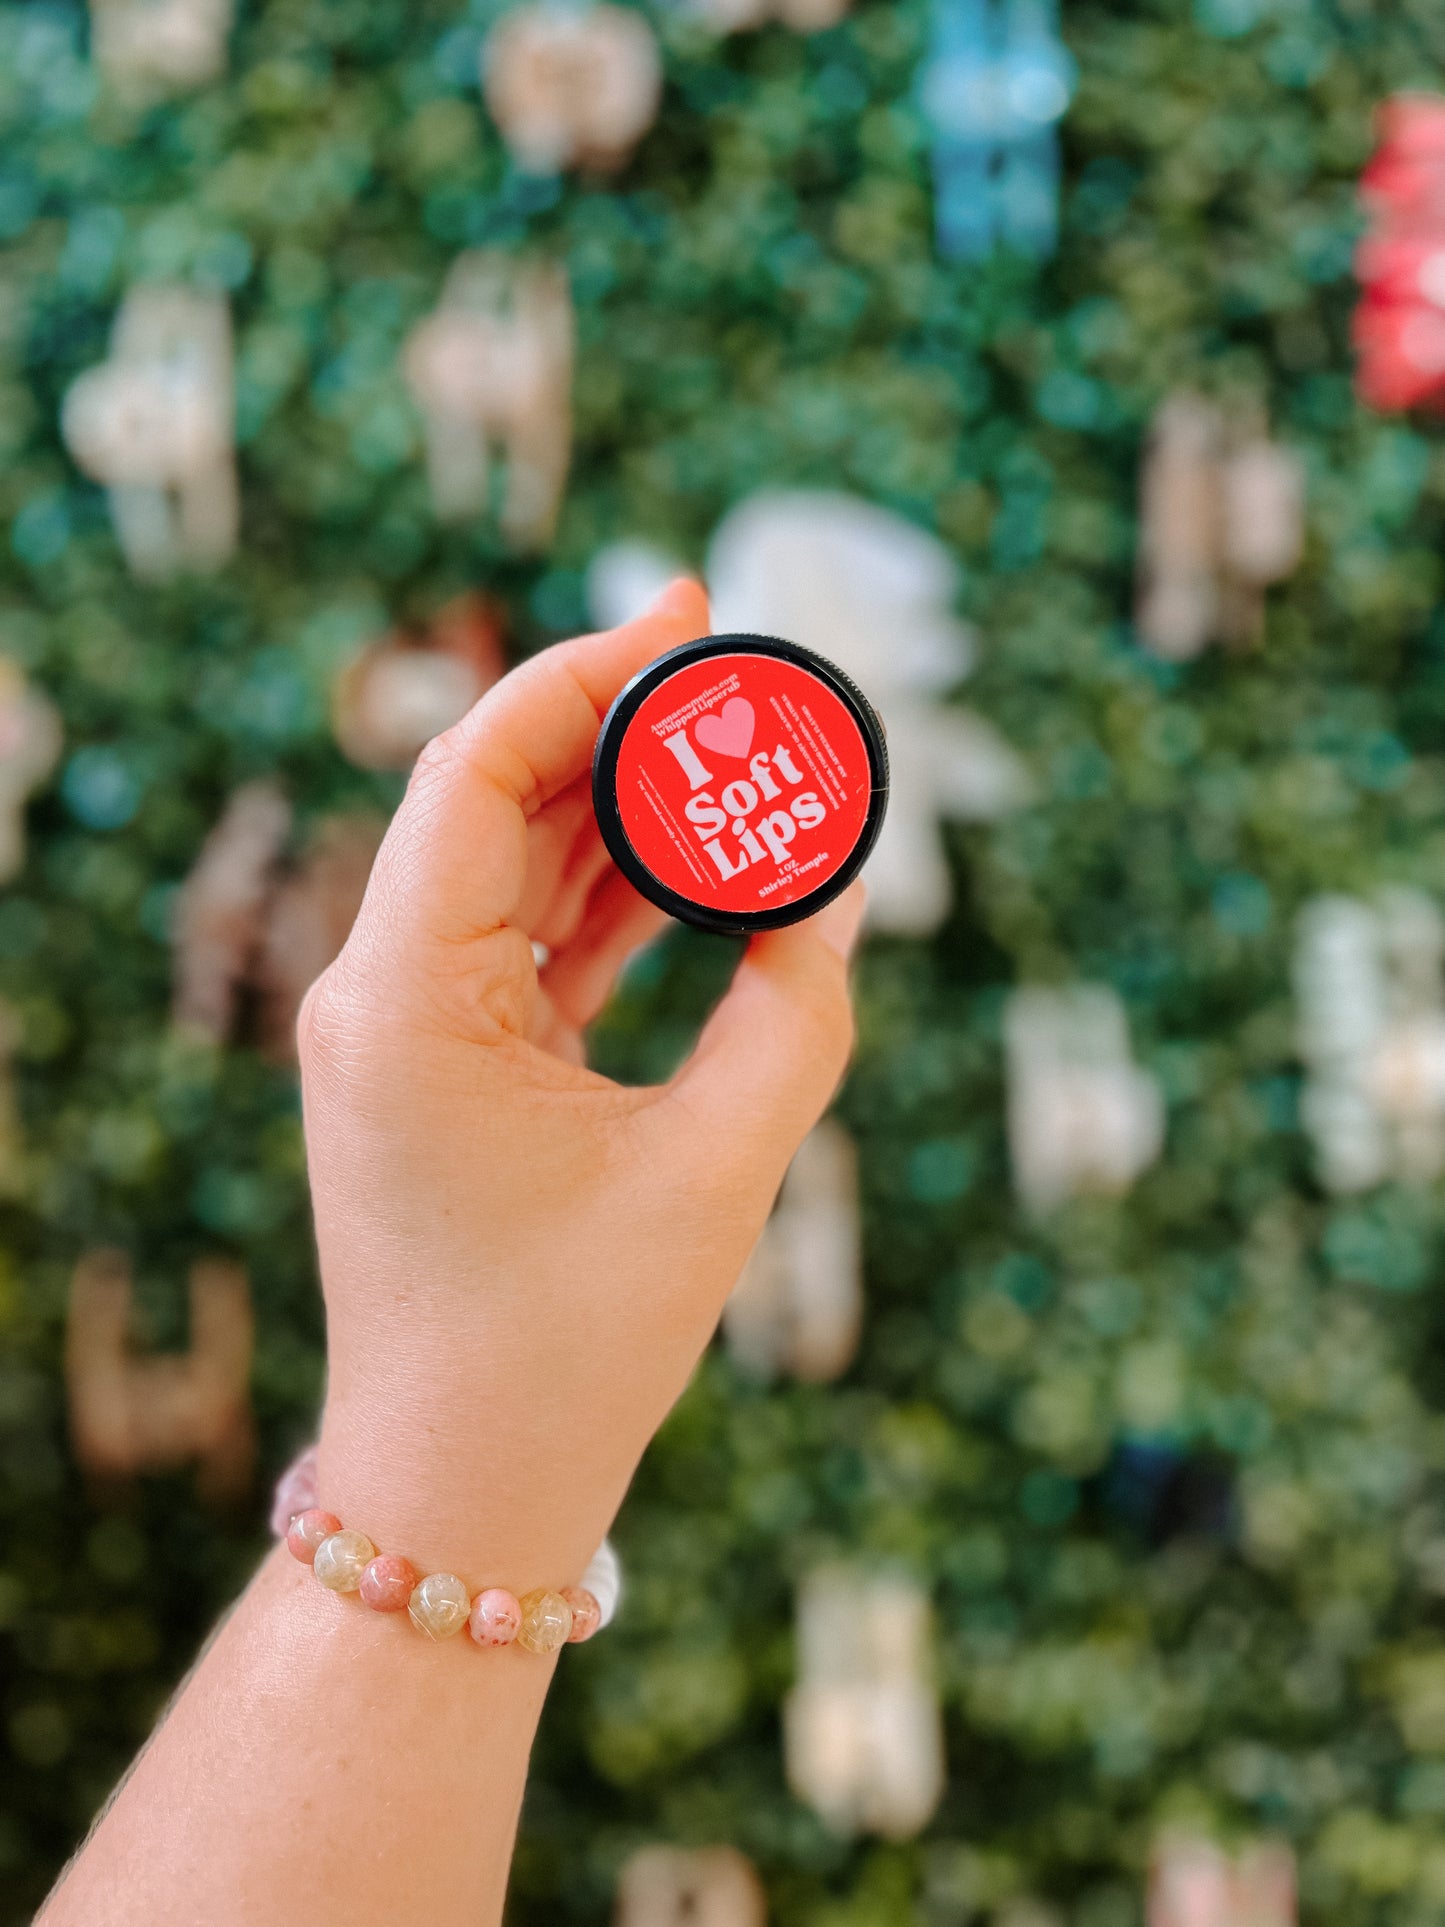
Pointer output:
x,y
1399,268
1406,174
1399,327
1401,350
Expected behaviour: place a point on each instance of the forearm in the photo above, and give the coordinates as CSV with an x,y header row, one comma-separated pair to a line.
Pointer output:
x,y
325,1763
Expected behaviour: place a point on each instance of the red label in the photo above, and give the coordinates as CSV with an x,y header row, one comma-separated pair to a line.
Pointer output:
x,y
743,782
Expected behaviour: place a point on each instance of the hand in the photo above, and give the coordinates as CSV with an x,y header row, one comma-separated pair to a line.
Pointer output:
x,y
522,1261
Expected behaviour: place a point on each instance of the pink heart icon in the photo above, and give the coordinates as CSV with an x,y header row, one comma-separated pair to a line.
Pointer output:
x,y
727,731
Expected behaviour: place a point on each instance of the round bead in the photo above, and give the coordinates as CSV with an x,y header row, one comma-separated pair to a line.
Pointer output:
x,y
439,1605
586,1614
496,1617
388,1583
306,1532
546,1622
341,1560
603,1579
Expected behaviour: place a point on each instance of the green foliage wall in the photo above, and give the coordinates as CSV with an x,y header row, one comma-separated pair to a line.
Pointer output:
x,y
759,302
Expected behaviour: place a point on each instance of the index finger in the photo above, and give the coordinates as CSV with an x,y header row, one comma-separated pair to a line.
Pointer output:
x,y
454,859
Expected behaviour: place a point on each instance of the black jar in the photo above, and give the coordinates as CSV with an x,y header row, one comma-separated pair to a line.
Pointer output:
x,y
740,782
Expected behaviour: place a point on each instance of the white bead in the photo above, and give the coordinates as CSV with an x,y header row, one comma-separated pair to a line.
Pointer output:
x,y
603,1579
341,1560
439,1605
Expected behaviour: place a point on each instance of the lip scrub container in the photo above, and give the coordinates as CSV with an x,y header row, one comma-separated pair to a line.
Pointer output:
x,y
740,782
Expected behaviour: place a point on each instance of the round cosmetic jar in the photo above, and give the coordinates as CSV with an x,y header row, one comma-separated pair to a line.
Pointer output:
x,y
740,782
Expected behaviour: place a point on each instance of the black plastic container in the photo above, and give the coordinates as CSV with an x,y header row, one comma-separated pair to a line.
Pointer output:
x,y
740,782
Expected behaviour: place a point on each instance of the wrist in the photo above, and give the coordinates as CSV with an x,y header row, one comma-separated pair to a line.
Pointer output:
x,y
449,1499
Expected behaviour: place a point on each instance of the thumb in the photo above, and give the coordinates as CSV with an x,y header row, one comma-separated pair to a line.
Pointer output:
x,y
773,1052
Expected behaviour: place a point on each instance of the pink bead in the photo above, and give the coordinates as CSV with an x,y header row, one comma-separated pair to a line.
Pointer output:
x,y
495,1618
306,1532
388,1583
586,1614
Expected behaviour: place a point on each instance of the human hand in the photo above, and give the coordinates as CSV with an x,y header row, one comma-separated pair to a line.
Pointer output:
x,y
521,1260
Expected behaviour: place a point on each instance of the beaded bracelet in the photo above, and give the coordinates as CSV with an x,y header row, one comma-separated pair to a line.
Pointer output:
x,y
438,1604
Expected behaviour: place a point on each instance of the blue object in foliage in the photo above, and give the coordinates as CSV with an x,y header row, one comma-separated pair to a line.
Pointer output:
x,y
996,84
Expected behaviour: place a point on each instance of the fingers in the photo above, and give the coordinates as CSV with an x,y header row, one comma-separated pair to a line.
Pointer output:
x,y
579,979
534,733
454,863
774,1050
565,857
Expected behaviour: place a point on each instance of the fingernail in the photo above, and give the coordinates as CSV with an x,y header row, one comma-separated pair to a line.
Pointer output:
x,y
841,921
675,596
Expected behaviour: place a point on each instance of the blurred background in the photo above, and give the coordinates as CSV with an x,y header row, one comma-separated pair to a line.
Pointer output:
x,y
1055,1537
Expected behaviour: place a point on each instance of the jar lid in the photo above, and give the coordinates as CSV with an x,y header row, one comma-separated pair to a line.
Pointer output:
x,y
740,782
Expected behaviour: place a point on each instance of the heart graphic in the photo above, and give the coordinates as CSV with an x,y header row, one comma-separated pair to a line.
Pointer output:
x,y
727,731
